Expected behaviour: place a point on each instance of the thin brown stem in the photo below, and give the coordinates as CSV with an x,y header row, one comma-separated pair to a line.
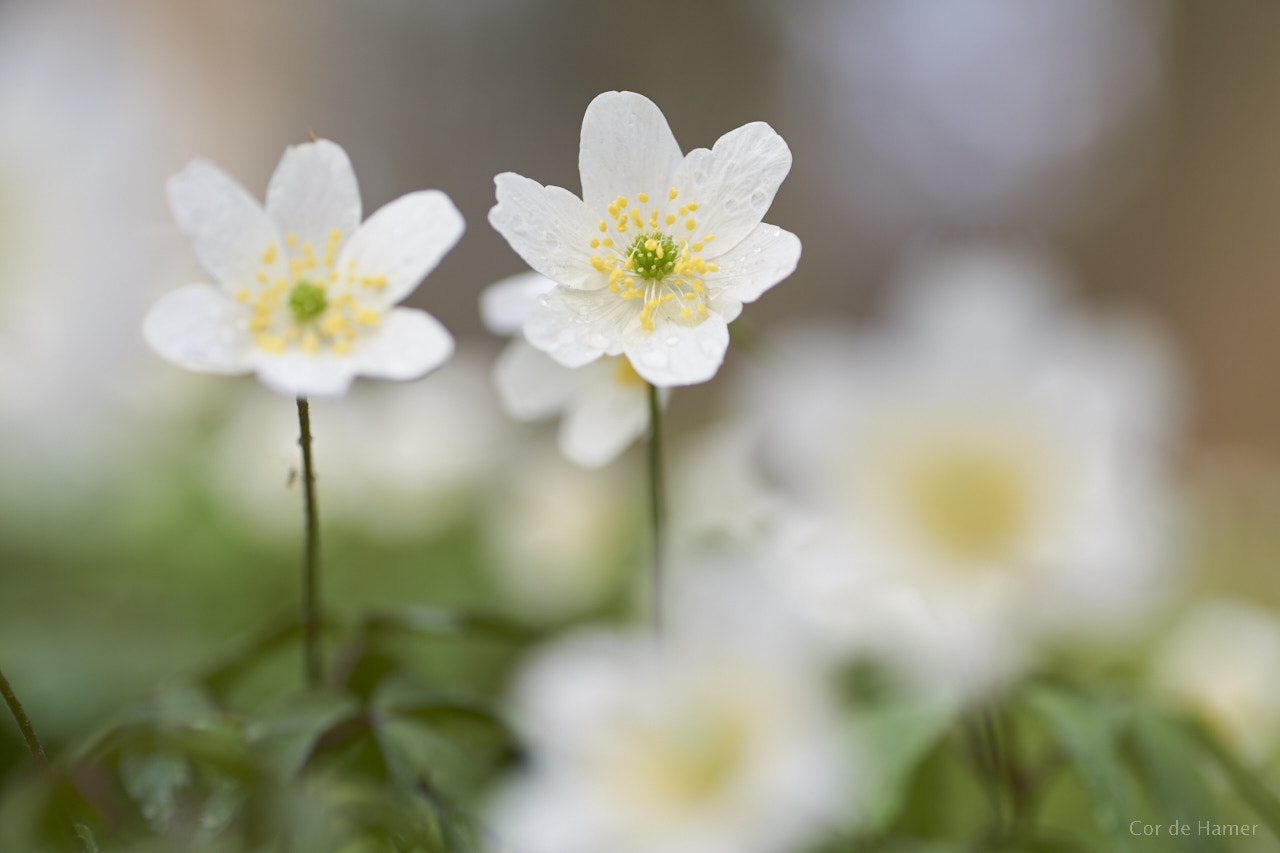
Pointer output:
x,y
310,554
24,723
657,506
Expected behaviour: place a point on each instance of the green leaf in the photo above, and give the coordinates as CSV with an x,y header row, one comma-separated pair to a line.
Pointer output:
x,y
1171,771
285,735
893,741
1251,789
1089,732
219,677
440,624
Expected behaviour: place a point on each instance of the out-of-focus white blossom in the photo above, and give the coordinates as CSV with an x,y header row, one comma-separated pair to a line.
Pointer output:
x,y
662,250
604,405
988,111
720,740
1220,661
560,535
79,132
986,470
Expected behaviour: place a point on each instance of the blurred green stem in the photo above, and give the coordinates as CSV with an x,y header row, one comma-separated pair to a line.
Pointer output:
x,y
657,505
24,723
311,554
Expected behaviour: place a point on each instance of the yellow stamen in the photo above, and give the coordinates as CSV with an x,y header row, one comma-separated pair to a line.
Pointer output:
x,y
270,343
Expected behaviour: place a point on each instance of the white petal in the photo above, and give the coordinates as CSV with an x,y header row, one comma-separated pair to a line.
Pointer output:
x,y
228,228
762,259
604,420
681,355
200,328
403,240
549,227
505,306
627,148
313,191
408,344
578,326
298,374
531,385
734,183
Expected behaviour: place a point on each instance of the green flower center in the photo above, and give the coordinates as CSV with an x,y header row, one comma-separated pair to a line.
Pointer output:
x,y
653,256
307,301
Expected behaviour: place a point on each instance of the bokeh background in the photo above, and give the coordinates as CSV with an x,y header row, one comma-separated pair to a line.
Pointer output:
x,y
146,518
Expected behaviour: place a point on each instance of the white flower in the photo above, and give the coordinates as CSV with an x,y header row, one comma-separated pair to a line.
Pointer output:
x,y
605,403
990,471
561,537
721,740
1221,662
659,254
306,293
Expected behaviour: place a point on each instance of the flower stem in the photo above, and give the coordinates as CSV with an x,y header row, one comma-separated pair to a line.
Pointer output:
x,y
657,505
311,554
24,723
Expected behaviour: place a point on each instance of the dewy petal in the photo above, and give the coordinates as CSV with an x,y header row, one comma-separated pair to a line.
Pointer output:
x,y
531,385
549,227
762,259
403,241
681,355
734,183
627,148
408,344
313,191
198,327
228,228
576,327
505,305
601,424
298,374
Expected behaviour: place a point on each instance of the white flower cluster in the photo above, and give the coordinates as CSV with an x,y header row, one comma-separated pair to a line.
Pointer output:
x,y
946,496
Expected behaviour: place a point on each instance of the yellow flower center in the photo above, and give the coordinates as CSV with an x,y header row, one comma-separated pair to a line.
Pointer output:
x,y
317,307
680,763
974,502
660,266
